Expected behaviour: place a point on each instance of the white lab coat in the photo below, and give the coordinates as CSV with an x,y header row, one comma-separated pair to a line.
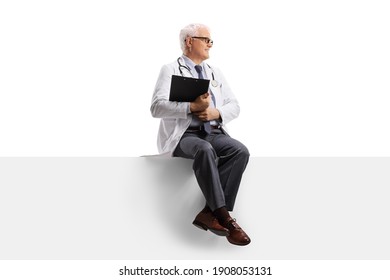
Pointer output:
x,y
175,116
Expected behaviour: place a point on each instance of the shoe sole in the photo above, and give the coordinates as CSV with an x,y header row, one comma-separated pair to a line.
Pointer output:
x,y
204,227
238,244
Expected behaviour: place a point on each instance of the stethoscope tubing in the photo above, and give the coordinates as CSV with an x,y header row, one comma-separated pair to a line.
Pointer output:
x,y
214,82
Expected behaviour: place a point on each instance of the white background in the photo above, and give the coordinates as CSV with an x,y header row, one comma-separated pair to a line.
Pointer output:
x,y
312,77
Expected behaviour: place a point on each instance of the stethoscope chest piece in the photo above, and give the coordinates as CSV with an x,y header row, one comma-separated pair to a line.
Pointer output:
x,y
214,83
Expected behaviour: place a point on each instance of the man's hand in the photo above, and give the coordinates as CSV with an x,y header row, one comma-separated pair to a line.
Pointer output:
x,y
201,103
208,115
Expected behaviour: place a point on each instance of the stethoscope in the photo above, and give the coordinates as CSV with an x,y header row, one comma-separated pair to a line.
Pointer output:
x,y
214,83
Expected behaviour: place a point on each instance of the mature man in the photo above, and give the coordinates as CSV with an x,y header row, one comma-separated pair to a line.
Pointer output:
x,y
196,130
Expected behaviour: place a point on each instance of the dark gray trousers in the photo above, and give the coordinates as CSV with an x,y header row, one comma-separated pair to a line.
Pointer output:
x,y
219,162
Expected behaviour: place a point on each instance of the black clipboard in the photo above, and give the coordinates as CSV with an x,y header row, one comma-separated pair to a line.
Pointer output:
x,y
186,89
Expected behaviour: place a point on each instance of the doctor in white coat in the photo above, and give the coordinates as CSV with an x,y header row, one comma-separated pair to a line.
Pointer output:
x,y
197,130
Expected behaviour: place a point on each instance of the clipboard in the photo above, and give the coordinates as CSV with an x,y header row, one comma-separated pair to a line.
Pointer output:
x,y
186,89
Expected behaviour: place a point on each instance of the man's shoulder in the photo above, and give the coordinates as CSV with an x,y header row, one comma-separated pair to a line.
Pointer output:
x,y
169,66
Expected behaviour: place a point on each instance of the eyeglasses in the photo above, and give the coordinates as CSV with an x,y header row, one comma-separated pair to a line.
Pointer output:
x,y
205,39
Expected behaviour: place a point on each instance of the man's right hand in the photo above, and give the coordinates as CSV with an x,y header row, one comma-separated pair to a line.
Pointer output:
x,y
201,103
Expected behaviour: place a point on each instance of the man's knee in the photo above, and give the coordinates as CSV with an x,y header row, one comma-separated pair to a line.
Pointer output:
x,y
242,153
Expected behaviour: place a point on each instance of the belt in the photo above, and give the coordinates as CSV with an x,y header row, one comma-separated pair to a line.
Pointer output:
x,y
201,128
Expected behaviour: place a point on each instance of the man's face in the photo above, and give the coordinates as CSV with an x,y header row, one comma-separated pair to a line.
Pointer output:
x,y
200,47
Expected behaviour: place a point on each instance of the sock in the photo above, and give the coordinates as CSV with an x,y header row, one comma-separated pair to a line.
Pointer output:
x,y
222,215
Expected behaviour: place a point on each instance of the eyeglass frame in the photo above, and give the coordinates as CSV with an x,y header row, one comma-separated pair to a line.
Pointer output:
x,y
207,40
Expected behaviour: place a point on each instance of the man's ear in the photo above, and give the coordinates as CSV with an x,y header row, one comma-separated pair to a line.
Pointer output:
x,y
189,42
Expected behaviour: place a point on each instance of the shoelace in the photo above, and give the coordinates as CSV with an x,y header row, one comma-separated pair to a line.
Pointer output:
x,y
233,223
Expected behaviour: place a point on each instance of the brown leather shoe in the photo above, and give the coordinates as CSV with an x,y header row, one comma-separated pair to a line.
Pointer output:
x,y
236,235
207,221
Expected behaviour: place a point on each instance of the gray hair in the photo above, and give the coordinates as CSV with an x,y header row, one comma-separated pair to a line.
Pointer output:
x,y
190,30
